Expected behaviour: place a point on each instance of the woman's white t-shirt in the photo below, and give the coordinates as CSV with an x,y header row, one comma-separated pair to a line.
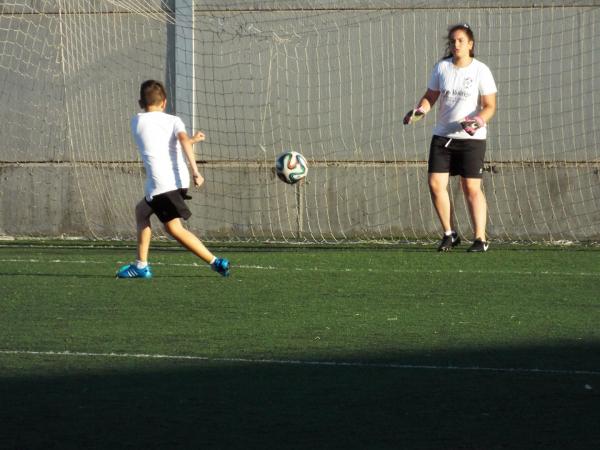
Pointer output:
x,y
155,134
459,88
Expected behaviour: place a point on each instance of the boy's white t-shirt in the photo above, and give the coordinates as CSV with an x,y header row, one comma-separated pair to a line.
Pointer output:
x,y
155,134
460,88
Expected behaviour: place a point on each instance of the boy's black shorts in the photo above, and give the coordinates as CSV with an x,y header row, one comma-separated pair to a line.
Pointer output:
x,y
170,205
462,157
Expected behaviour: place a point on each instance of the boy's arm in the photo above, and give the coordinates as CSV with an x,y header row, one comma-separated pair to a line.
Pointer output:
x,y
186,144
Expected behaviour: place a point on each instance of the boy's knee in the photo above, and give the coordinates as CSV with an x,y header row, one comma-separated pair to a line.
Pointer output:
x,y
173,227
142,213
169,228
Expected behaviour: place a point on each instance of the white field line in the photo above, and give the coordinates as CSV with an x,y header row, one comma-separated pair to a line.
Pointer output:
x,y
352,364
312,269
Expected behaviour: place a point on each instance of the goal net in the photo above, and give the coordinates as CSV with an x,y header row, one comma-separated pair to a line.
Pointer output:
x,y
331,80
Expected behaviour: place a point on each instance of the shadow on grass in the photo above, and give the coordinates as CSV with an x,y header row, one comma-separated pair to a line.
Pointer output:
x,y
113,403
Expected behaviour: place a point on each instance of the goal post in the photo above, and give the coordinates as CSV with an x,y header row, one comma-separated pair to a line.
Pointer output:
x,y
331,80
185,70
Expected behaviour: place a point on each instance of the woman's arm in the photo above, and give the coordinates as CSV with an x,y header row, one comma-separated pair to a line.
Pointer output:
x,y
488,107
428,100
423,107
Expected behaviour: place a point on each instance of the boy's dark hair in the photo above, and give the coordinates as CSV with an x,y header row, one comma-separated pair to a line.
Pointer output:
x,y
152,93
467,29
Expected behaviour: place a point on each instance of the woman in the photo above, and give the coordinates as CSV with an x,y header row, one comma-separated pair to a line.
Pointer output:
x,y
467,93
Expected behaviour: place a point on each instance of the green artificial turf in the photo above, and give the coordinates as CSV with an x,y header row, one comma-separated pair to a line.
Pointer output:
x,y
350,348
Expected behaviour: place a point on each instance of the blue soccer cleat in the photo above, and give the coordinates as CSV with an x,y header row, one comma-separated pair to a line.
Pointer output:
x,y
131,271
221,266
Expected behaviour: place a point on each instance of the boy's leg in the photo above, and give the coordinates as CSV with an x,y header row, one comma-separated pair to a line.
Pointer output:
x,y
140,269
477,205
189,240
144,229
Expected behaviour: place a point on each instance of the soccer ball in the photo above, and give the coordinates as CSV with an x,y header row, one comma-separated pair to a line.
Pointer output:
x,y
291,167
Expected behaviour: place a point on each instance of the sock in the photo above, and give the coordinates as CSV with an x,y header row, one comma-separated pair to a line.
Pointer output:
x,y
448,233
141,264
213,260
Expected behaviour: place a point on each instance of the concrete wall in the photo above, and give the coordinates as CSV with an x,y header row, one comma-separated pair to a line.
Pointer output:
x,y
329,79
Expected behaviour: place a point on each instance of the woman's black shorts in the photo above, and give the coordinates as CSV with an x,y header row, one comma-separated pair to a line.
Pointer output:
x,y
462,157
170,205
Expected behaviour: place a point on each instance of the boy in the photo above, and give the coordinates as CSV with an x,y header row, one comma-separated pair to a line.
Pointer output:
x,y
165,146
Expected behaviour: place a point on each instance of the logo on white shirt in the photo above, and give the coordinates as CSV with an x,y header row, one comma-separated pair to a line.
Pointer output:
x,y
455,93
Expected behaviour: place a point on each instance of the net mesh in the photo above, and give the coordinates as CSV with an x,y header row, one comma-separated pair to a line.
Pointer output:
x,y
329,81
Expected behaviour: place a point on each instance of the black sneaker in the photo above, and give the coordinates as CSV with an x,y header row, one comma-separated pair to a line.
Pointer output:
x,y
448,242
479,246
